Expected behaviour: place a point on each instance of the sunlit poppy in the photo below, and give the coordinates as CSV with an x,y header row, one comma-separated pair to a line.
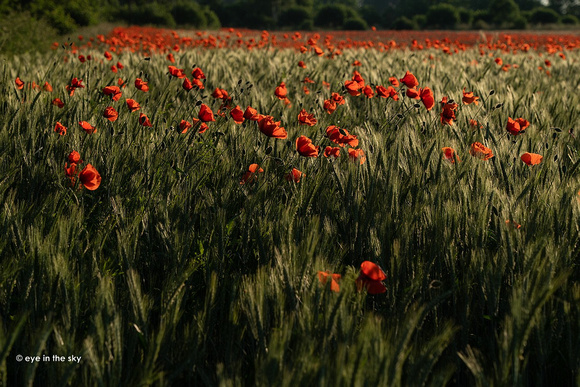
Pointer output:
x,y
220,93
394,81
329,106
90,129
47,87
449,154
60,129
331,151
531,158
198,83
75,83
516,126
71,173
132,105
58,102
387,92
144,120
448,111
187,85
337,98
251,114
184,126
90,178
74,157
110,114
170,58
341,136
356,63
141,85
237,114
409,80
480,151
469,98
499,61
413,93
205,113
113,91
108,55
513,224
203,127
305,118
197,73
177,73
427,98
301,64
252,174
305,147
323,277
371,277
368,91
295,175
281,91
357,155
352,88
270,128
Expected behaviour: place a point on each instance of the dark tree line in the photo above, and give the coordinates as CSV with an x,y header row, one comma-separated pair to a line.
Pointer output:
x,y
66,15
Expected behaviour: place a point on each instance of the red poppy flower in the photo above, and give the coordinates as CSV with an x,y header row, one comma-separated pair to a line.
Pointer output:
x,y
352,88
498,61
90,129
469,98
337,98
305,118
532,158
271,128
449,154
110,114
71,173
357,154
251,114
198,83
170,58
82,59
307,80
305,147
197,73
47,87
203,127
331,151
187,85
144,120
252,174
368,91
141,85
74,157
295,175
409,80
394,81
108,55
60,129
517,126
184,126
120,66
323,278
301,64
357,77
474,123
387,92
237,114
371,277
448,113
480,151
132,105
114,69
281,91
113,91
341,136
75,83
205,113
58,102
413,93
90,178
177,73
220,93
329,106
427,98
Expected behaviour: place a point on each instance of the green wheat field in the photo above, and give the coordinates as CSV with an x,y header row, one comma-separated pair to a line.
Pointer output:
x,y
172,272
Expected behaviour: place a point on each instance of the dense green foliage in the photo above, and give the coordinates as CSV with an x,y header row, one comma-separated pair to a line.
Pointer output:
x,y
172,273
